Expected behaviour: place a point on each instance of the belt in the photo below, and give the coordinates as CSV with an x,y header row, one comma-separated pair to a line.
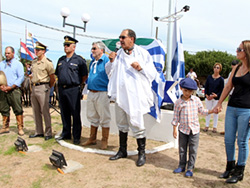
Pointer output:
x,y
94,91
68,86
39,83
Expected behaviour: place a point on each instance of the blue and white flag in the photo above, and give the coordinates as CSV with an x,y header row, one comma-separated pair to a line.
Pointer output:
x,y
157,52
178,64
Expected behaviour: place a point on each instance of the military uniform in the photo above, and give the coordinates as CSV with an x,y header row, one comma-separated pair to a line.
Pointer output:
x,y
70,72
40,94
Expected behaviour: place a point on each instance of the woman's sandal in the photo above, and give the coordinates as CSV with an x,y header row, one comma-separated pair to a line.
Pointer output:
x,y
214,130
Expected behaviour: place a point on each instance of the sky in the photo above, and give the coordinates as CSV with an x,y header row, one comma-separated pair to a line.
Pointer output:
x,y
209,25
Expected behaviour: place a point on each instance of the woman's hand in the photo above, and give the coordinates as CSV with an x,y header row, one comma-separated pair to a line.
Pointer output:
x,y
218,108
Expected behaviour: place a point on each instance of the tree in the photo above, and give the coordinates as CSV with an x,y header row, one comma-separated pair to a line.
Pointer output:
x,y
202,62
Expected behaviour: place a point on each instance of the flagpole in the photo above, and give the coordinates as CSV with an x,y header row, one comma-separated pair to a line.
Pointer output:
x,y
169,44
152,18
26,42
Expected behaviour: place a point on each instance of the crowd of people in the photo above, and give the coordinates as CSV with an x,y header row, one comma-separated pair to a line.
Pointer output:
x,y
125,77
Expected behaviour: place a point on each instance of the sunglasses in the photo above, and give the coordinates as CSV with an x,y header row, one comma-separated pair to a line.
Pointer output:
x,y
94,48
239,50
216,67
122,37
66,45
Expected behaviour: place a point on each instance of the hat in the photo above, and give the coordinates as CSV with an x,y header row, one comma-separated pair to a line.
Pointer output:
x,y
69,40
3,80
40,46
234,62
188,83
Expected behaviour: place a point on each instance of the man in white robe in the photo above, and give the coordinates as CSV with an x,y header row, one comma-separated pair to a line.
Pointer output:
x,y
131,71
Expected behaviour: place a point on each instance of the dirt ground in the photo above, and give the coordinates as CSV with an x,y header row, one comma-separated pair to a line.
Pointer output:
x,y
34,170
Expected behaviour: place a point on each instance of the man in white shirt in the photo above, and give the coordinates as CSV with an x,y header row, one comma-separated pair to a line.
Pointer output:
x,y
191,74
131,71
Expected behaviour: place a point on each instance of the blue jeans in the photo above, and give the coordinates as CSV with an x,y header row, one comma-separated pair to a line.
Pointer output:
x,y
237,120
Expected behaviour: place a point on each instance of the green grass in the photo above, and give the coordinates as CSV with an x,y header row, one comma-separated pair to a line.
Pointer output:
x,y
5,178
10,151
3,138
202,121
48,144
46,168
37,184
56,117
29,124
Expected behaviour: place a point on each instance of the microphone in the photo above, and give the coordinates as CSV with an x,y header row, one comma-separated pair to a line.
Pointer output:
x,y
117,46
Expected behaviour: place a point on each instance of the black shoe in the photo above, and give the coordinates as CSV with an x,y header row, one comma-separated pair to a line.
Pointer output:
x,y
76,142
237,174
141,159
63,138
229,170
141,142
47,137
119,155
36,135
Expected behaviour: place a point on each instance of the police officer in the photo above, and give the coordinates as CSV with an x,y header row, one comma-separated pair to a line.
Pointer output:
x,y
71,72
43,78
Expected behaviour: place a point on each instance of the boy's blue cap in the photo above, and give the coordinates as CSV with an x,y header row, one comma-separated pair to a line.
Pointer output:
x,y
188,83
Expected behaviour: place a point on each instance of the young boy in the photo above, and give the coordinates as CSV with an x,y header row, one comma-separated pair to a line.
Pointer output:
x,y
186,111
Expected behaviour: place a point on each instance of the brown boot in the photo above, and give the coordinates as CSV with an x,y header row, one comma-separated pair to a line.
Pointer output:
x,y
105,136
6,125
19,120
92,138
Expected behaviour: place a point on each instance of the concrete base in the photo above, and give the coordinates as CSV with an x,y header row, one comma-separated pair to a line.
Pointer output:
x,y
162,131
71,166
34,148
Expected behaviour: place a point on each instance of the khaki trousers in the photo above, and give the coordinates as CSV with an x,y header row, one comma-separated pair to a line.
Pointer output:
x,y
40,107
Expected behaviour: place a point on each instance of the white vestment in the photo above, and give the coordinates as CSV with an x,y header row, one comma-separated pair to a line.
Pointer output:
x,y
131,89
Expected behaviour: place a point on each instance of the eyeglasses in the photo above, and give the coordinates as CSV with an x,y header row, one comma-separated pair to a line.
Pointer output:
x,y
122,37
94,48
66,45
216,67
239,50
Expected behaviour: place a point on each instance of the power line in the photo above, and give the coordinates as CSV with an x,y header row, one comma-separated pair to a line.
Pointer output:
x,y
52,28
40,37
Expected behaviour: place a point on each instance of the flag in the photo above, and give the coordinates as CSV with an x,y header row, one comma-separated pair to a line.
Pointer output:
x,y
28,49
25,53
157,52
178,64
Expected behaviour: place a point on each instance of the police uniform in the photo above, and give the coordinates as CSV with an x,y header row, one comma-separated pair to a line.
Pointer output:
x,y
70,72
41,71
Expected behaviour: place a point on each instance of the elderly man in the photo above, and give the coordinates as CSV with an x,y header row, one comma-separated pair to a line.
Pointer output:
x,y
43,78
98,112
10,94
71,72
131,71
